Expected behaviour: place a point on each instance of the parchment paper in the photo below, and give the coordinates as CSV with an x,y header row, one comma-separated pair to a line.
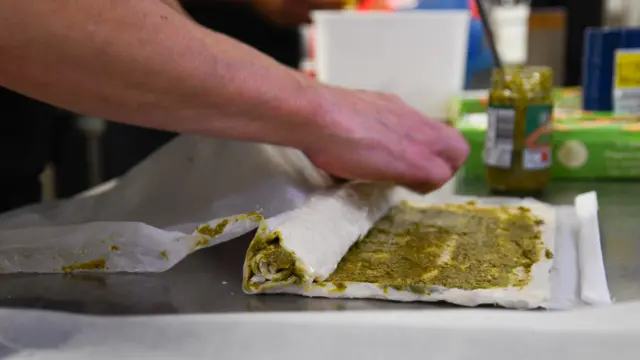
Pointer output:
x,y
146,222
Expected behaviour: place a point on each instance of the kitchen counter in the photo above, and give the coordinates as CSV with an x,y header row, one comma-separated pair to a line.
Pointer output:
x,y
209,280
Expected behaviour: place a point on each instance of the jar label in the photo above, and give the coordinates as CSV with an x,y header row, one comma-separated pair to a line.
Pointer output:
x,y
498,145
536,154
626,81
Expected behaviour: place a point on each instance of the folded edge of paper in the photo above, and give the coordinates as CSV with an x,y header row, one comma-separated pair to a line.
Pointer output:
x,y
593,278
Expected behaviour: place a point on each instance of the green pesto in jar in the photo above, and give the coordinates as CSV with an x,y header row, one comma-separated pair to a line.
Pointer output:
x,y
517,150
464,246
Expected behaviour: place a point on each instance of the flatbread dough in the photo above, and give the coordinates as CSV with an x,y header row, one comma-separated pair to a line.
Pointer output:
x,y
301,254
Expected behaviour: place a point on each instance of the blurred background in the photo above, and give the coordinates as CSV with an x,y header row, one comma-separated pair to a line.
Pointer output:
x,y
78,152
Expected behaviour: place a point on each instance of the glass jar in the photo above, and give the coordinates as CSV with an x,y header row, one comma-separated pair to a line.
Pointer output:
x,y
517,151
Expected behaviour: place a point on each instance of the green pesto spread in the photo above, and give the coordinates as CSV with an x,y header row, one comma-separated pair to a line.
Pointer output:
x,y
268,264
212,232
204,241
274,261
452,246
209,233
338,287
253,216
97,264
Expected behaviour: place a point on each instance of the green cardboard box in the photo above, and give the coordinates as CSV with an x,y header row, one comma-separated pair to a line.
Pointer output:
x,y
585,145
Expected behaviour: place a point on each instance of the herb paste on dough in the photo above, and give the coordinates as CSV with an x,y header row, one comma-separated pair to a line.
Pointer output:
x,y
464,246
419,249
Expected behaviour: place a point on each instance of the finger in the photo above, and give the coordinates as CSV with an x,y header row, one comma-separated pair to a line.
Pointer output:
x,y
454,148
434,174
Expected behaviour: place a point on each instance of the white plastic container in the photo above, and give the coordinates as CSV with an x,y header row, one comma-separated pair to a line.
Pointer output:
x,y
511,30
417,55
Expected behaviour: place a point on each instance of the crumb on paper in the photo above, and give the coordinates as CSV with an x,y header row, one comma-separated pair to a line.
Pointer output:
x,y
97,264
114,248
164,255
548,254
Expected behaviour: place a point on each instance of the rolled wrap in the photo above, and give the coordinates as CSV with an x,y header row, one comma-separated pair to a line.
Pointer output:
x,y
309,243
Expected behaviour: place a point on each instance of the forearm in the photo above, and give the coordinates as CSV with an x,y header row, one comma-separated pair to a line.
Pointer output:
x,y
143,62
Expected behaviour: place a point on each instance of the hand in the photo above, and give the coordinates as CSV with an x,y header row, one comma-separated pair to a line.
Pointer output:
x,y
380,138
294,12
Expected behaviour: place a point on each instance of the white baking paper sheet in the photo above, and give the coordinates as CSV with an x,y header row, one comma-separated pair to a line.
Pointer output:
x,y
146,222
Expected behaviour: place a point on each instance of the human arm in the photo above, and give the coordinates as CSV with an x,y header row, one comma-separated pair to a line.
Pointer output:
x,y
145,63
